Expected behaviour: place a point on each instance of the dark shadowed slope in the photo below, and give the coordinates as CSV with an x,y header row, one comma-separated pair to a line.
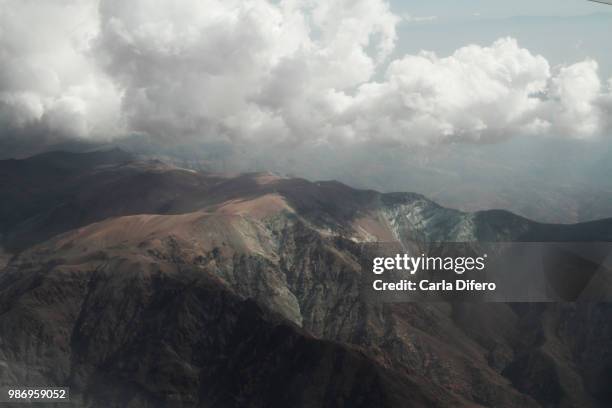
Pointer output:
x,y
160,335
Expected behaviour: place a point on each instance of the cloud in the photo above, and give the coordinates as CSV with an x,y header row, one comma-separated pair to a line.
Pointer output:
x,y
294,72
478,93
48,84
576,90
241,69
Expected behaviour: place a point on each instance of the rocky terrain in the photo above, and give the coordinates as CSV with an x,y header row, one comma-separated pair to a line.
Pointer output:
x,y
141,284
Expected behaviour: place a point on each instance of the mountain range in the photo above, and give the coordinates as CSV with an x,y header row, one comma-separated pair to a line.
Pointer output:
x,y
138,283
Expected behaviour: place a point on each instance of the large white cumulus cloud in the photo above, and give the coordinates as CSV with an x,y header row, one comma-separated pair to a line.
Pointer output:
x,y
478,92
48,84
247,69
294,71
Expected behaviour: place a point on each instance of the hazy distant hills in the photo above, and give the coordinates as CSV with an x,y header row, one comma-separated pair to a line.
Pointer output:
x,y
141,284
55,192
